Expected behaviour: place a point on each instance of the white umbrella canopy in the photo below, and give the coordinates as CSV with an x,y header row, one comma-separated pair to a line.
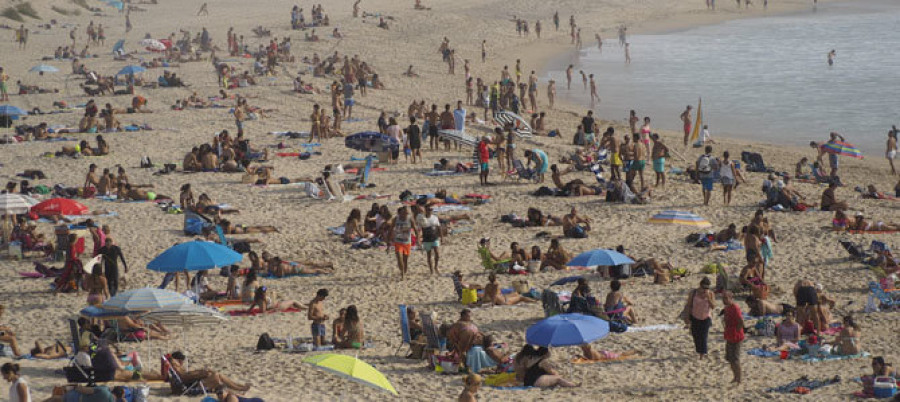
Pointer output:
x,y
14,204
185,315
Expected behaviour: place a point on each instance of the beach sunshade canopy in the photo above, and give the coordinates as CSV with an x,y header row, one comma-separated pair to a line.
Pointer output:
x,y
568,279
599,257
131,70
43,68
10,110
117,4
680,218
352,368
145,299
185,315
14,204
100,312
153,45
370,141
842,148
59,206
566,330
194,256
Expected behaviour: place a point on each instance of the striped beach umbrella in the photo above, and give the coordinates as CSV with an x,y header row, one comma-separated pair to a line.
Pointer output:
x,y
842,148
14,204
145,299
680,218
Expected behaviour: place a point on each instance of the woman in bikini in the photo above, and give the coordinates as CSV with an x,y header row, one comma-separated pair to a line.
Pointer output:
x,y
353,335
848,341
353,229
337,326
493,294
227,228
267,301
556,256
617,304
279,268
860,223
55,351
96,286
543,375
248,290
588,353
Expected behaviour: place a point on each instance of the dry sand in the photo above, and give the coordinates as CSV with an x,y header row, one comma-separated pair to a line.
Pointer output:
x,y
369,279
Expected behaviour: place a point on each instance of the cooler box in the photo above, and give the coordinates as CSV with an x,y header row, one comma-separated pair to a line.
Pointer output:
x,y
885,387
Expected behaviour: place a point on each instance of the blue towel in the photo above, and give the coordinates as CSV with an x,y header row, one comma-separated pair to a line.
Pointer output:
x,y
478,359
762,353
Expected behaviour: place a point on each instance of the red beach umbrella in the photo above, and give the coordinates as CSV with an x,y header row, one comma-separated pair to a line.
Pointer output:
x,y
59,206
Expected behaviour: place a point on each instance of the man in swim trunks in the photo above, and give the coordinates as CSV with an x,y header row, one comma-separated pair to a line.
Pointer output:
x,y
686,120
658,156
640,157
626,152
317,315
401,236
348,100
590,127
484,155
891,152
541,162
574,226
705,168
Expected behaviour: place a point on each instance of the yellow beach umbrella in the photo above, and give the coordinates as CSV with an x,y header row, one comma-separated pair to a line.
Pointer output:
x,y
352,368
680,218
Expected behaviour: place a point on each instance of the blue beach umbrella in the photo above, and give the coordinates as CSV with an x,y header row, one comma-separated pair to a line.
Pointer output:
x,y
145,299
131,70
100,312
120,44
43,68
566,330
599,257
10,110
194,256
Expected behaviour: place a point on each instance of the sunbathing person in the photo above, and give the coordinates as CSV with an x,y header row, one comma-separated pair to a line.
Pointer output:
x,y
556,256
136,194
280,269
575,226
557,174
140,330
210,379
860,223
618,305
541,373
848,341
352,334
228,228
55,351
761,308
588,353
537,218
493,294
108,367
872,193
267,301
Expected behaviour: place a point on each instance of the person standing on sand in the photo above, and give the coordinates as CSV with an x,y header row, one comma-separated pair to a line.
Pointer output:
x,y
556,20
891,152
700,304
833,161
705,166
532,91
127,23
734,334
551,93
483,50
204,10
471,383
627,53
594,96
414,139
578,39
569,77
484,155
658,156
111,256
831,55
401,237
315,119
348,100
686,121
316,314
4,86
537,28
356,8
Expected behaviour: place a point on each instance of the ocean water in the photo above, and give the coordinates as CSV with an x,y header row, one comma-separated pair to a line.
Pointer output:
x,y
765,79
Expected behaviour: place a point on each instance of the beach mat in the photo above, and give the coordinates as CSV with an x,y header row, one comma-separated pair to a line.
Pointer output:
x,y
810,359
803,385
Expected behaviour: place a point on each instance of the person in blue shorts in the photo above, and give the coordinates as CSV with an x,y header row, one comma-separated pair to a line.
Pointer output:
x,y
705,168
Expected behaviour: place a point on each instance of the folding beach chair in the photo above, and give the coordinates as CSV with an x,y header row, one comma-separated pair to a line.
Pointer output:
x,y
177,386
520,172
489,264
432,341
406,339
361,180
550,303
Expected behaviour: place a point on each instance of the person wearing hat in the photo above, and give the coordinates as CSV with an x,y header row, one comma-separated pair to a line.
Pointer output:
x,y
861,224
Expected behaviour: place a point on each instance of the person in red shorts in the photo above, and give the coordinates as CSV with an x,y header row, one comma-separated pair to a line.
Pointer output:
x,y
401,237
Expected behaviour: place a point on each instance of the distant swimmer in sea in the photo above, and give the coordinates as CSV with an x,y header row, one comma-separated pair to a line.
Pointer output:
x,y
831,55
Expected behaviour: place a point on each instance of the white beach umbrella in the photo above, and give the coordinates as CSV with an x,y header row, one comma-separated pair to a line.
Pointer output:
x,y
14,204
186,316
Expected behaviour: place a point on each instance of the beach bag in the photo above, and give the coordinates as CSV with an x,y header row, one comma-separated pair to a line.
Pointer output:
x,y
618,327
469,296
265,342
521,286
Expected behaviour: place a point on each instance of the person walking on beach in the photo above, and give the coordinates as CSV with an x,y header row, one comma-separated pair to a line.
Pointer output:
x,y
891,152
833,161
348,100
431,236
483,50
831,55
537,28
127,23
401,236
729,175
204,10
569,77
705,166
111,255
414,139
627,53
734,334
697,312
594,96
4,86
317,315
556,20
484,155
686,122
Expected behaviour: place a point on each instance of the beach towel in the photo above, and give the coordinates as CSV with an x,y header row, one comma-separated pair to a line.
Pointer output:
x,y
798,385
255,311
817,359
440,173
225,303
759,352
270,276
450,208
337,230
657,327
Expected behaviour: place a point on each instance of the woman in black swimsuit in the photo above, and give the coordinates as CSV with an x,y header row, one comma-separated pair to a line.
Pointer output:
x,y
540,374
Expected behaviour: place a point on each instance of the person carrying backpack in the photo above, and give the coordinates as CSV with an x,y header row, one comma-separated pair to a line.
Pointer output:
x,y
705,166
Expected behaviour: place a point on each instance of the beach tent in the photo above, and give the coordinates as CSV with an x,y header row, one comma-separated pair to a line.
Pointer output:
x,y
59,206
194,256
566,330
352,369
680,218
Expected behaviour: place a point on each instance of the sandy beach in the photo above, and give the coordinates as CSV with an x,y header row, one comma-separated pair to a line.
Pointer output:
x,y
667,369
